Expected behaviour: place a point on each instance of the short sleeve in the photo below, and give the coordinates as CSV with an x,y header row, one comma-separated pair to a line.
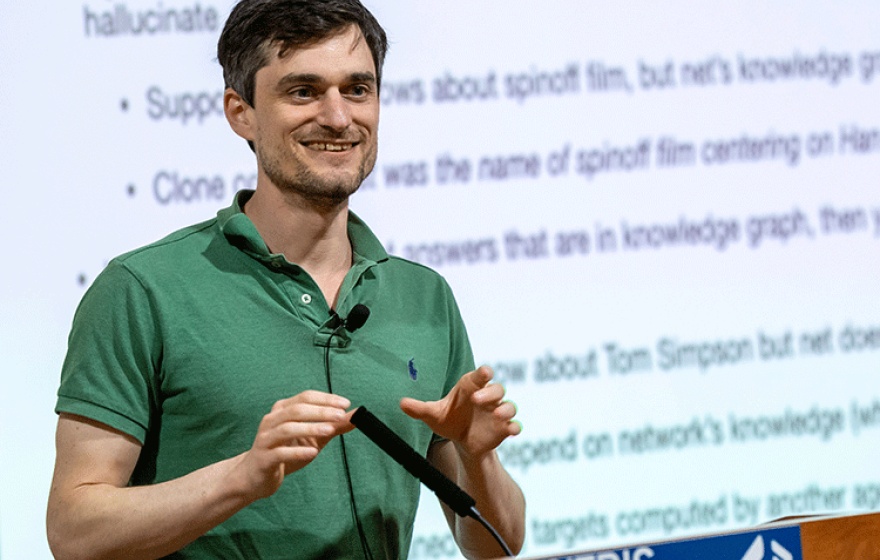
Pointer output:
x,y
461,357
110,373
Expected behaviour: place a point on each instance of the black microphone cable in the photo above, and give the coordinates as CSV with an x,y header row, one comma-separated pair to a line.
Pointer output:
x,y
355,320
450,493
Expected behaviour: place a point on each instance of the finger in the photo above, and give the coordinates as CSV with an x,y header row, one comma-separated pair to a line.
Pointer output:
x,y
345,425
307,412
514,428
505,411
483,375
293,455
316,398
295,434
300,420
489,395
475,380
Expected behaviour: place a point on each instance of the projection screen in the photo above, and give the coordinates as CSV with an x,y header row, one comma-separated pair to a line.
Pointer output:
x,y
661,222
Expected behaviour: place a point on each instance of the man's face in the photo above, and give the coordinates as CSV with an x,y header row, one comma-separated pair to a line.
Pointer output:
x,y
316,116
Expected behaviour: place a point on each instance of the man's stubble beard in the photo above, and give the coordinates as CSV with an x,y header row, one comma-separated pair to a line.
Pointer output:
x,y
303,182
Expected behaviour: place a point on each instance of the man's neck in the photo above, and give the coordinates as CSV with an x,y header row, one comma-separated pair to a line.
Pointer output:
x,y
313,236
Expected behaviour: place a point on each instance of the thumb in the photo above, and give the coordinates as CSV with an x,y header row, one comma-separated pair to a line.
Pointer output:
x,y
420,410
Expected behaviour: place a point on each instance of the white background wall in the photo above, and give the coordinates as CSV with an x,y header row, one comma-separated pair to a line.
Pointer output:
x,y
536,95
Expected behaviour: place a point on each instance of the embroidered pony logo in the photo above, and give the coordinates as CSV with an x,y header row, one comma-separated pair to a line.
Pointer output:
x,y
413,372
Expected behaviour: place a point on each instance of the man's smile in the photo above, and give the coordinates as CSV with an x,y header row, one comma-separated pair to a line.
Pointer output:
x,y
329,147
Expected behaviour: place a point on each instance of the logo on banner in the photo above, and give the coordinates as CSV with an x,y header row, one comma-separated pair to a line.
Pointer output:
x,y
757,552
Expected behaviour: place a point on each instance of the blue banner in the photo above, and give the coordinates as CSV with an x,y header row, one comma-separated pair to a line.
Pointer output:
x,y
769,544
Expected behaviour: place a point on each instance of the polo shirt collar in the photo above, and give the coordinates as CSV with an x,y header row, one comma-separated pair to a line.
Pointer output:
x,y
241,232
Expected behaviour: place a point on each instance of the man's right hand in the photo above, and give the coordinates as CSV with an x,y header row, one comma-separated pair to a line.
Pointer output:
x,y
94,513
290,436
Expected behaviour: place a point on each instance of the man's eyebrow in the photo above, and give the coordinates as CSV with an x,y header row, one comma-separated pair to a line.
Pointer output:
x,y
296,79
362,77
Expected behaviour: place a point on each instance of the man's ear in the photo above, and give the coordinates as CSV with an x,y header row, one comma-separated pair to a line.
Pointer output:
x,y
239,114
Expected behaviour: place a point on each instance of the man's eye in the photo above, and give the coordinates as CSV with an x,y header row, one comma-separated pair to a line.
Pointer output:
x,y
301,93
359,90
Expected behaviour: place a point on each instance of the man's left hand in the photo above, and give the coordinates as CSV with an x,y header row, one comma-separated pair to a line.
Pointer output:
x,y
473,414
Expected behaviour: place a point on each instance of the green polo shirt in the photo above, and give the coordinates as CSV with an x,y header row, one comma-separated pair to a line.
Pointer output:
x,y
185,344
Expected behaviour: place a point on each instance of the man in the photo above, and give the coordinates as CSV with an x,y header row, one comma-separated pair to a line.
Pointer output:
x,y
210,378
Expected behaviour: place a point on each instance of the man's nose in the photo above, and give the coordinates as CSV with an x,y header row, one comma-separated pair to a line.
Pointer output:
x,y
334,112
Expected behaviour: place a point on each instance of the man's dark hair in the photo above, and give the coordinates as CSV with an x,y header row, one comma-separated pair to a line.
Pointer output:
x,y
254,26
